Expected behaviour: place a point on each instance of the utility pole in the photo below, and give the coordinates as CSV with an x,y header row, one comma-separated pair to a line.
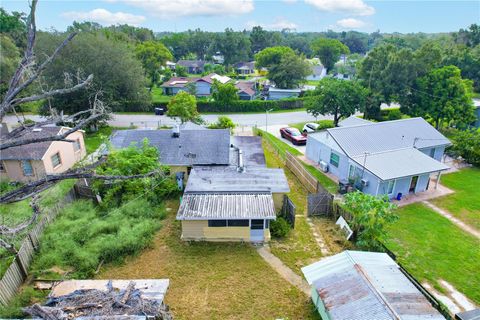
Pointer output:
x,y
266,118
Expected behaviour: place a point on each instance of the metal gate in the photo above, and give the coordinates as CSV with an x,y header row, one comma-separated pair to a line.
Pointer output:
x,y
320,203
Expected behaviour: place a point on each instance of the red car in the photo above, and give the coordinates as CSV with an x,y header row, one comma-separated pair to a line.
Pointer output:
x,y
294,135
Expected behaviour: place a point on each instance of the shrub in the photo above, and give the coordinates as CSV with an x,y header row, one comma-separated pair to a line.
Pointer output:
x,y
325,124
279,228
394,114
467,145
223,122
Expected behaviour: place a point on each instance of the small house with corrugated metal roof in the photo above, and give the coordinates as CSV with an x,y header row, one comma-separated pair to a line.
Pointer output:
x,y
393,158
366,285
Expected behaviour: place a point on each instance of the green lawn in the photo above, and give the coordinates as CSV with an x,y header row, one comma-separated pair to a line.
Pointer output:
x,y
15,213
93,140
433,248
325,181
465,202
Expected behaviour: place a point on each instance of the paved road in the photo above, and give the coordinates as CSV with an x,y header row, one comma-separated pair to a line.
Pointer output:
x,y
152,121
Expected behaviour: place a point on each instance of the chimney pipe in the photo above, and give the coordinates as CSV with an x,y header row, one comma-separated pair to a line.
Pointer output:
x,y
240,166
176,131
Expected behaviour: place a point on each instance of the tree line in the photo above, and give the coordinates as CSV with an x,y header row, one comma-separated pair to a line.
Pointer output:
x,y
127,61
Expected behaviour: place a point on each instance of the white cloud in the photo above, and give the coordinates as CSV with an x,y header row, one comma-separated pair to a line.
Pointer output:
x,y
180,8
105,17
353,7
277,24
351,23
289,1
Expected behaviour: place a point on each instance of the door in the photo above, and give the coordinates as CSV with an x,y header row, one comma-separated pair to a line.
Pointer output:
x,y
413,184
256,230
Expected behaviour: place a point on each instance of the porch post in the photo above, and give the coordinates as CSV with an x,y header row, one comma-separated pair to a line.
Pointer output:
x,y
438,179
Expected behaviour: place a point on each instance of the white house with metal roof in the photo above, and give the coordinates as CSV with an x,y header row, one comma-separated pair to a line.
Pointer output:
x,y
391,158
365,285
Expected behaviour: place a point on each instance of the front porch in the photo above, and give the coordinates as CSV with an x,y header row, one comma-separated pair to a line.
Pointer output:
x,y
434,190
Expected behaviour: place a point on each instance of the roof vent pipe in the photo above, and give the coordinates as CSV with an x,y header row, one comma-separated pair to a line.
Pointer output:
x,y
176,131
240,166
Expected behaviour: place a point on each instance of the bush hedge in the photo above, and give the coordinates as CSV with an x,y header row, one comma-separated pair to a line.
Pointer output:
x,y
279,228
389,114
250,105
243,105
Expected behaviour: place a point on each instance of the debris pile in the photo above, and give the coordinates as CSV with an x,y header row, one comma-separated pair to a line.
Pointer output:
x,y
104,304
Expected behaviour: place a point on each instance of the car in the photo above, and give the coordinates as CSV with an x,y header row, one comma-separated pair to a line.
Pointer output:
x,y
294,135
310,127
159,111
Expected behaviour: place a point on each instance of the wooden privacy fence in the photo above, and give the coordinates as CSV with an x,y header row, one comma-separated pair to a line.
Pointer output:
x,y
288,211
308,181
18,270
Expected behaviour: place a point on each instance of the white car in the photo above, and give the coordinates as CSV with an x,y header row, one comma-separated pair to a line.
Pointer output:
x,y
310,127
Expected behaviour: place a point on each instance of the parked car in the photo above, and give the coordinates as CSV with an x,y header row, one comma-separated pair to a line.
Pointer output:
x,y
294,135
159,111
310,127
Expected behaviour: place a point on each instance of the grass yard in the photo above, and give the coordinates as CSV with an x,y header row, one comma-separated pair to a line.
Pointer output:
x,y
299,248
325,181
432,248
465,202
213,280
15,213
95,139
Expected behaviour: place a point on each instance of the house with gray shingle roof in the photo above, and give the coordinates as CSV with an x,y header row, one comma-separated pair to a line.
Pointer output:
x,y
391,158
230,194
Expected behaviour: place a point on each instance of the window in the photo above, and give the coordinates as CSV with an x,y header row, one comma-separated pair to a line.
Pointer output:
x,y
56,161
432,153
217,223
27,168
76,145
391,184
334,159
238,223
256,225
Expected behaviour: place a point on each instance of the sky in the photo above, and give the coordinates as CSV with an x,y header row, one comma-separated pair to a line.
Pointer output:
x,y
301,15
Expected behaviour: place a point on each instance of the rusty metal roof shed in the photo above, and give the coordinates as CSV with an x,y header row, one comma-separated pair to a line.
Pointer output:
x,y
366,285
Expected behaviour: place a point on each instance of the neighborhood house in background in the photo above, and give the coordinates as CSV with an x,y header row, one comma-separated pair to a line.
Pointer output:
x,y
230,194
31,162
391,158
203,86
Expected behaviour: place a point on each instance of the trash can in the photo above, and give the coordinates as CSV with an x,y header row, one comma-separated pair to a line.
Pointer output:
x,y
399,196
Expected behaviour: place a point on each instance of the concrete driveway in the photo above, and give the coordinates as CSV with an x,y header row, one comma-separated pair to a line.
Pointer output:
x,y
275,130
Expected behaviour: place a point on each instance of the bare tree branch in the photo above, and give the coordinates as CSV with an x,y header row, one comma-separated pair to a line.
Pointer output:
x,y
35,187
55,92
18,84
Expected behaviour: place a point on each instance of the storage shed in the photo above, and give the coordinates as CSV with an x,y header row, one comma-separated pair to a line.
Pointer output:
x,y
365,285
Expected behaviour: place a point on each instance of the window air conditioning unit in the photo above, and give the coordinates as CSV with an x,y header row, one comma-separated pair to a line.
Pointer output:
x,y
324,166
364,182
